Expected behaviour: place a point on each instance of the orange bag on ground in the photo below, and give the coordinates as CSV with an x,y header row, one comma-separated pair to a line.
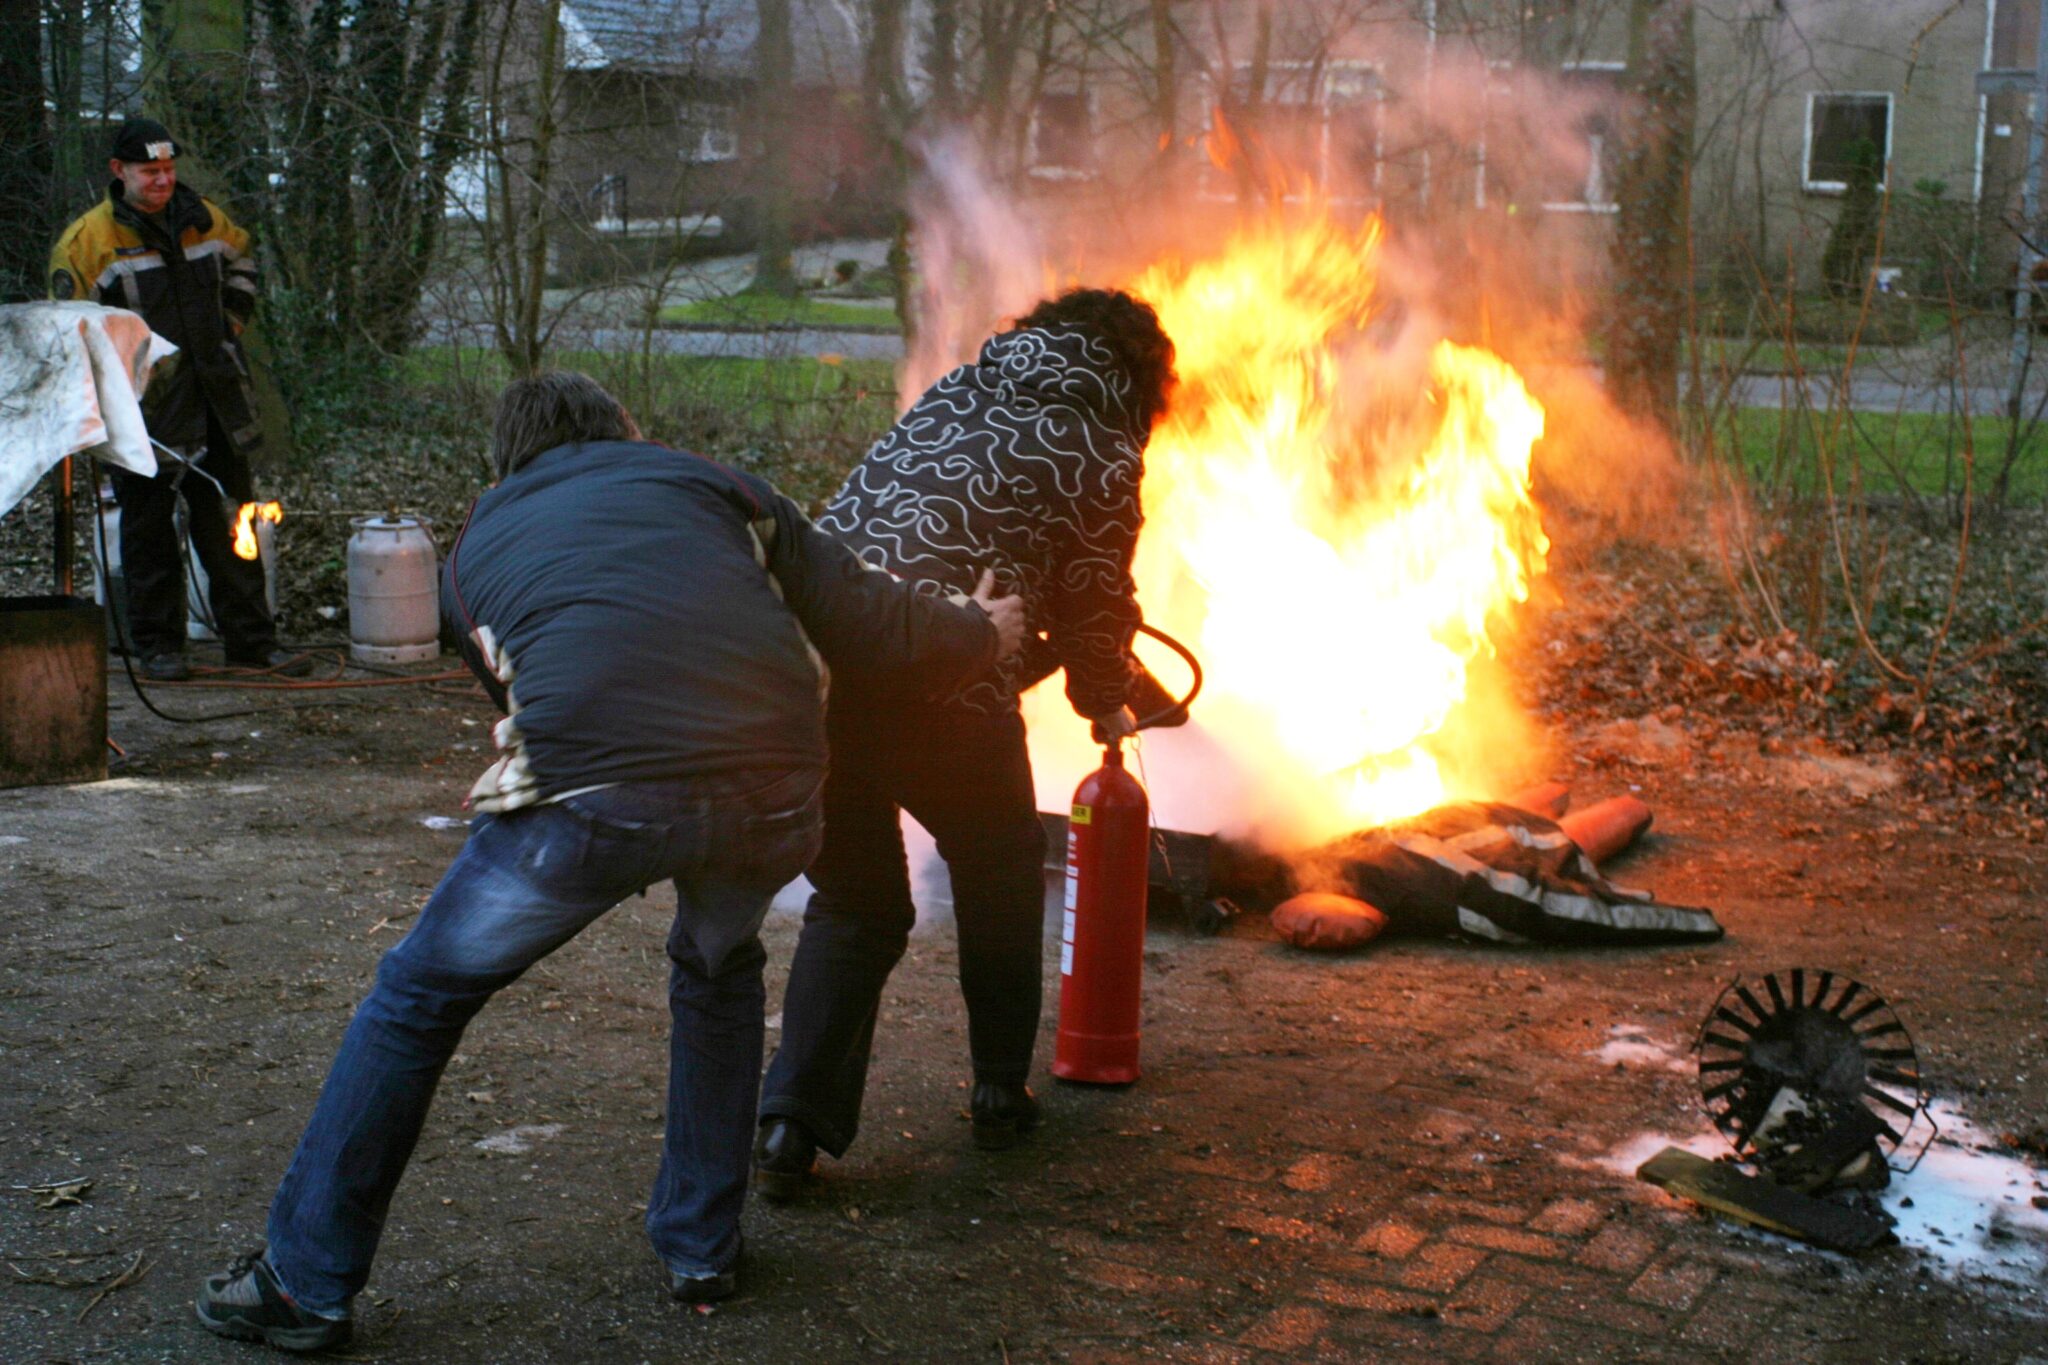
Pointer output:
x,y
1327,922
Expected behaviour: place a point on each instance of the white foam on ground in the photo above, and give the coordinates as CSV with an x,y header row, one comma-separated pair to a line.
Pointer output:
x,y
1972,1206
1624,1159
1972,1212
513,1141
1632,1046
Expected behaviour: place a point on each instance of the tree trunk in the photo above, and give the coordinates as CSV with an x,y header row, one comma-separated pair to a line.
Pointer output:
x,y
1166,87
72,181
1651,252
945,60
888,116
1002,38
526,336
774,84
1034,90
195,59
1254,173
25,169
453,136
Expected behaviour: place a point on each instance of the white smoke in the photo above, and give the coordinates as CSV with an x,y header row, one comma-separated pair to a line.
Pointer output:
x,y
981,258
1473,258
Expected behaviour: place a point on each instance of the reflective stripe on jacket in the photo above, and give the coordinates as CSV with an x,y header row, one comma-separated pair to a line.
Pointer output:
x,y
190,273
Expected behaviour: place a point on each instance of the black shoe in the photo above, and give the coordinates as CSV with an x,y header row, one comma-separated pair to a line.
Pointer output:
x,y
165,668
702,1288
784,1157
283,662
248,1304
1003,1113
707,1288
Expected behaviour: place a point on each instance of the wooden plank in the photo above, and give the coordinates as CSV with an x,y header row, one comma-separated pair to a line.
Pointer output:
x,y
53,691
1763,1203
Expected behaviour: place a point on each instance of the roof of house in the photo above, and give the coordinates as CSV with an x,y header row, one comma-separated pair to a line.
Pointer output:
x,y
709,37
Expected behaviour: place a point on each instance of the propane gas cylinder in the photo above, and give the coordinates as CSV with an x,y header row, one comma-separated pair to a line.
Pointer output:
x,y
1102,935
394,614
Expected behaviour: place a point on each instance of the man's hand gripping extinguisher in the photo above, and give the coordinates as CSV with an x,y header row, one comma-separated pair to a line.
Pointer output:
x,y
1102,933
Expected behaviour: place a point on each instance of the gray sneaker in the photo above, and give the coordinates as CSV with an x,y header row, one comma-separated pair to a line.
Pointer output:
x,y
248,1304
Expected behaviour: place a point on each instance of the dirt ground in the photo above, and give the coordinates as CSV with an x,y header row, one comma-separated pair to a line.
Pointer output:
x,y
1392,1153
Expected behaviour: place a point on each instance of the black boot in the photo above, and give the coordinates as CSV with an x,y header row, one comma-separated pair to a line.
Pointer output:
x,y
1003,1114
784,1157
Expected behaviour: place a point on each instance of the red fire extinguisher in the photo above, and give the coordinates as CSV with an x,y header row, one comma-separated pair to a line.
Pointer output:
x,y
1102,932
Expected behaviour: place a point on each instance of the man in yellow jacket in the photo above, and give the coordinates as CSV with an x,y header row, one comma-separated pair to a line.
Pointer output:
x,y
157,248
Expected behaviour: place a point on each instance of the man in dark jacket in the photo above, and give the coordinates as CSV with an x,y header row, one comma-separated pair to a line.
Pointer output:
x,y
657,628
1028,462
156,248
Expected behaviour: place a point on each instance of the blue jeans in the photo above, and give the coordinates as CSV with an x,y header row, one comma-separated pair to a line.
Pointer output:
x,y
524,884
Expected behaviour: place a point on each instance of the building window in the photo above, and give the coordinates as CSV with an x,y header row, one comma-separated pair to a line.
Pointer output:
x,y
707,133
1313,123
1840,130
607,203
1353,97
1062,141
1596,88
1497,102
473,183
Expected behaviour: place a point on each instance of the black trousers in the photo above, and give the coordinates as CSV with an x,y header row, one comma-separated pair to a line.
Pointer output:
x,y
966,778
153,561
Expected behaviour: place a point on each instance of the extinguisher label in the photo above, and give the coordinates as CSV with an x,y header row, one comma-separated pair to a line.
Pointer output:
x,y
1073,893
1082,815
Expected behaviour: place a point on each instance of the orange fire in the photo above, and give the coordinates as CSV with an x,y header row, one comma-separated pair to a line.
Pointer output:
x,y
1336,560
245,525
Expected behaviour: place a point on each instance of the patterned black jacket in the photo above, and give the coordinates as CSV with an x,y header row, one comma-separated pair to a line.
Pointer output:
x,y
1026,462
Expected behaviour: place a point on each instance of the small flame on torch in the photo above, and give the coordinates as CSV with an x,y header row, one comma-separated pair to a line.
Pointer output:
x,y
245,525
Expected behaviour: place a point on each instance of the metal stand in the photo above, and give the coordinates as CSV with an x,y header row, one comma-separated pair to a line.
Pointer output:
x,y
66,529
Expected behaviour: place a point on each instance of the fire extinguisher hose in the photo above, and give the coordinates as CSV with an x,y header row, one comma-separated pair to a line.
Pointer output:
x,y
1180,707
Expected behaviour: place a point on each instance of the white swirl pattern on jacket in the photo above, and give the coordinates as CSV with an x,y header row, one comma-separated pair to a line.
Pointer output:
x,y
1026,462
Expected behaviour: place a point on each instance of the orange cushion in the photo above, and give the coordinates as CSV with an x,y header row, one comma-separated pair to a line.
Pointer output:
x,y
1327,922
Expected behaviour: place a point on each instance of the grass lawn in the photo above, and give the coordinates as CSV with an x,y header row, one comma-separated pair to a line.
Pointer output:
x,y
1881,453
713,378
801,422
765,310
1718,355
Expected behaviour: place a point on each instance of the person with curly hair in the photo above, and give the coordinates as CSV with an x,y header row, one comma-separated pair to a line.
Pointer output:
x,y
1027,462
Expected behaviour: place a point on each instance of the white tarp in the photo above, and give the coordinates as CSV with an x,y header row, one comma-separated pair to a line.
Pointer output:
x,y
71,379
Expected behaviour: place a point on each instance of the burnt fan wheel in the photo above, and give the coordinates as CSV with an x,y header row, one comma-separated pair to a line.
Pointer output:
x,y
1829,1037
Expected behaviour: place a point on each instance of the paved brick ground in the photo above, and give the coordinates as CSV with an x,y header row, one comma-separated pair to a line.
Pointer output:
x,y
1379,1156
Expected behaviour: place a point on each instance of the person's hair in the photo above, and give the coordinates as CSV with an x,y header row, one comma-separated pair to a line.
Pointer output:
x,y
550,410
1132,331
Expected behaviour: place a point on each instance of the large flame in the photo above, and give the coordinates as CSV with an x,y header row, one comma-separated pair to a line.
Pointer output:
x,y
245,525
1336,562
